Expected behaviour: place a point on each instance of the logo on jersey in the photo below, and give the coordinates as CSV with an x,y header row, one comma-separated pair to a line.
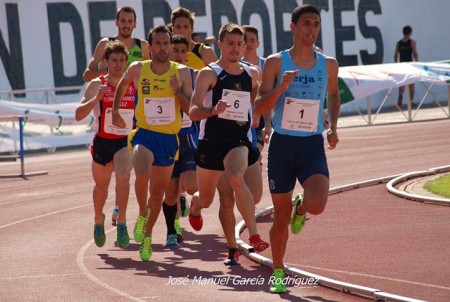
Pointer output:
x,y
304,79
237,86
145,86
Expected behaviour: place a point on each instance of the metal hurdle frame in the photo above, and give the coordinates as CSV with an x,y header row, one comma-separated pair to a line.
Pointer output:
x,y
21,156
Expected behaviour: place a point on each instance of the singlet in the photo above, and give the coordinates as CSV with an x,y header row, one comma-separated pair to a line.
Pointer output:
x,y
261,61
222,129
405,49
189,126
298,111
134,53
194,58
157,109
102,112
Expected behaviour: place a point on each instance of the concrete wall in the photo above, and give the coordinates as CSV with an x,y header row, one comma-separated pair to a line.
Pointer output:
x,y
46,44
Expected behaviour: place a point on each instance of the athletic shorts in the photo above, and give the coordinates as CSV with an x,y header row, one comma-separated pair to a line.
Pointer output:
x,y
186,155
103,149
163,146
210,155
293,157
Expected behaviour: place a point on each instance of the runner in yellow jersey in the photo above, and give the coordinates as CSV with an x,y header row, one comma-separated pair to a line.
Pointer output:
x,y
164,87
199,55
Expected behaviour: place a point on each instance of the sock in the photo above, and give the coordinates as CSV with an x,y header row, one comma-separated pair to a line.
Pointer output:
x,y
170,213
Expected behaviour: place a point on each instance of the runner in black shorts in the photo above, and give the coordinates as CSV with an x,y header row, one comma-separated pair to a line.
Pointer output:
x,y
222,100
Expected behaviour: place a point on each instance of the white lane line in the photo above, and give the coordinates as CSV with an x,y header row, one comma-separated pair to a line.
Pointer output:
x,y
85,271
53,213
44,215
39,276
370,276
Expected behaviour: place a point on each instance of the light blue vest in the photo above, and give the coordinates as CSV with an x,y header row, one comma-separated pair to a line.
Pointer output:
x,y
308,85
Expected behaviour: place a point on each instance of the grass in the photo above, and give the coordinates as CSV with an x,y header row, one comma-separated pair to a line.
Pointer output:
x,y
440,186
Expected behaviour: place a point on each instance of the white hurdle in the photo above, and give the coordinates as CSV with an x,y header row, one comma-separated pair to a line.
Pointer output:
x,y
21,156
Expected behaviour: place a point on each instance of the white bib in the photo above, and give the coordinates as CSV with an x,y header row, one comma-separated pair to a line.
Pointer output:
x,y
240,105
159,111
300,115
126,114
186,122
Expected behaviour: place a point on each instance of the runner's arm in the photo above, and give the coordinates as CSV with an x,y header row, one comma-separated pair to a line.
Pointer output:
x,y
334,101
95,67
92,95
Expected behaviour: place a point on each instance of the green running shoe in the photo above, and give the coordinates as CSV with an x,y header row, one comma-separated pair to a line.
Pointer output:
x,y
171,242
179,230
140,226
297,221
122,235
99,233
277,279
146,248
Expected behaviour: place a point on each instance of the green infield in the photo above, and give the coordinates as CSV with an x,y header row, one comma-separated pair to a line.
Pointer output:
x,y
440,186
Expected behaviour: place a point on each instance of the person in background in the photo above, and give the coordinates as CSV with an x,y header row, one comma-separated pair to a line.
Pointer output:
x,y
406,49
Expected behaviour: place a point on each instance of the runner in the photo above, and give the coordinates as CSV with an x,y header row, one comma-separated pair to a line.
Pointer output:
x,y
184,174
164,88
137,50
295,83
109,149
222,100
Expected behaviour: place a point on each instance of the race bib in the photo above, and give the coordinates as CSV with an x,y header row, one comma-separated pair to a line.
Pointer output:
x,y
240,105
300,115
186,122
126,114
159,111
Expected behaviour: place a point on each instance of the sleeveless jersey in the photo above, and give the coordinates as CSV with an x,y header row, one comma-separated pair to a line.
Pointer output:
x,y
261,61
102,112
134,53
194,58
405,50
157,109
222,129
298,111
189,126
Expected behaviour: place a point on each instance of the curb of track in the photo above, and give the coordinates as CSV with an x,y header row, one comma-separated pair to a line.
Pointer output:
x,y
415,197
372,293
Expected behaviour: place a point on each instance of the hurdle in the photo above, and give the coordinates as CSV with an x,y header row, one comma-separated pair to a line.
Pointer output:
x,y
21,156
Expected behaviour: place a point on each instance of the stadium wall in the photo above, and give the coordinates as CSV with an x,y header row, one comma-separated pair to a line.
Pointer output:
x,y
47,44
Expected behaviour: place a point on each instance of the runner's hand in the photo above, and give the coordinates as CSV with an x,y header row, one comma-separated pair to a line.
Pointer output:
x,y
332,138
117,120
288,78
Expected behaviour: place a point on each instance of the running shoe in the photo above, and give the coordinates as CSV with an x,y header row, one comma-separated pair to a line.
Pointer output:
x,y
277,279
145,250
297,221
179,230
233,257
184,207
139,227
115,215
258,244
99,233
122,235
171,242
196,222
